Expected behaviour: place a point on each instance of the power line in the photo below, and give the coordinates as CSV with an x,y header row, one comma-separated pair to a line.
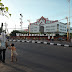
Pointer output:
x,y
16,28
27,27
64,18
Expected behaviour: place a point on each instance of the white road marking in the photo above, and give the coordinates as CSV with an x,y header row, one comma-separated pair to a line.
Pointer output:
x,y
45,42
51,43
59,44
66,45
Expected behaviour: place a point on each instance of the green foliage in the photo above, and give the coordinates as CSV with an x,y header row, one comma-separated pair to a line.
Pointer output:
x,y
6,9
57,35
1,4
9,14
2,9
13,33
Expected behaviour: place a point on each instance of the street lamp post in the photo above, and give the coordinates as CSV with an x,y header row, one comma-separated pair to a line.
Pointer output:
x,y
67,29
15,26
21,22
29,26
6,26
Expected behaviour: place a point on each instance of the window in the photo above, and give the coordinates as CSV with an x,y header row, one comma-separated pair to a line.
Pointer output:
x,y
35,30
35,27
47,26
52,26
60,26
60,29
52,29
47,29
48,21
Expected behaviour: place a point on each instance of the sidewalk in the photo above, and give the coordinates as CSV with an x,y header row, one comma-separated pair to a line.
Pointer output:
x,y
13,67
60,43
9,66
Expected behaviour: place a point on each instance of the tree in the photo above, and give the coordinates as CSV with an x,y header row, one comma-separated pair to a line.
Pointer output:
x,y
13,33
4,10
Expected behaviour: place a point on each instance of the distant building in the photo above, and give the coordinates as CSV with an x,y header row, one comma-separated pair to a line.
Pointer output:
x,y
26,30
44,25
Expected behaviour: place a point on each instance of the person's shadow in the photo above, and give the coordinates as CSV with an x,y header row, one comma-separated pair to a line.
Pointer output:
x,y
15,67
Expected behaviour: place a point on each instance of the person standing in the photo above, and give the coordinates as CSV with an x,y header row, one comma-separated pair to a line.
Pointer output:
x,y
13,52
49,37
3,45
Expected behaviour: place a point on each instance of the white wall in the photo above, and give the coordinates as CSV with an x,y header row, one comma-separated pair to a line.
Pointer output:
x,y
62,27
50,27
34,28
53,27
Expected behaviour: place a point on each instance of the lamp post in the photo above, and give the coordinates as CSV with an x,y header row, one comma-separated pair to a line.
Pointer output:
x,y
29,26
21,22
6,26
15,26
67,29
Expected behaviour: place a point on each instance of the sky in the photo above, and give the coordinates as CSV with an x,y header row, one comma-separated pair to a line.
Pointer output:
x,y
33,10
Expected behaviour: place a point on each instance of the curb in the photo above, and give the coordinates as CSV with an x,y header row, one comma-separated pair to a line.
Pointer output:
x,y
41,42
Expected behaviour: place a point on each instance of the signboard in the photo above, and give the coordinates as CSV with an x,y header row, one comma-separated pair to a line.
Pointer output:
x,y
19,34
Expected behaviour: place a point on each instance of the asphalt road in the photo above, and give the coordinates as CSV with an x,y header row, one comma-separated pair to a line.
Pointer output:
x,y
34,57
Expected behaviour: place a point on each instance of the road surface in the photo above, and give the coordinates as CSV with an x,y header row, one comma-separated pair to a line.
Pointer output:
x,y
33,57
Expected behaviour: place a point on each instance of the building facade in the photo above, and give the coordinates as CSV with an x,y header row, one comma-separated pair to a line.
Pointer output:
x,y
44,25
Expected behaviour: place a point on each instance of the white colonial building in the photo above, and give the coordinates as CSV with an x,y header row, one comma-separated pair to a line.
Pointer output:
x,y
44,25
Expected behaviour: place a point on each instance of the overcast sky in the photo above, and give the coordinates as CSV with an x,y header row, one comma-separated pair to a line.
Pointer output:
x,y
34,9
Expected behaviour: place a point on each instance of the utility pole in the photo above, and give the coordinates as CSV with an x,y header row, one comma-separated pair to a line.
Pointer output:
x,y
21,22
29,26
5,26
67,29
69,18
15,26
